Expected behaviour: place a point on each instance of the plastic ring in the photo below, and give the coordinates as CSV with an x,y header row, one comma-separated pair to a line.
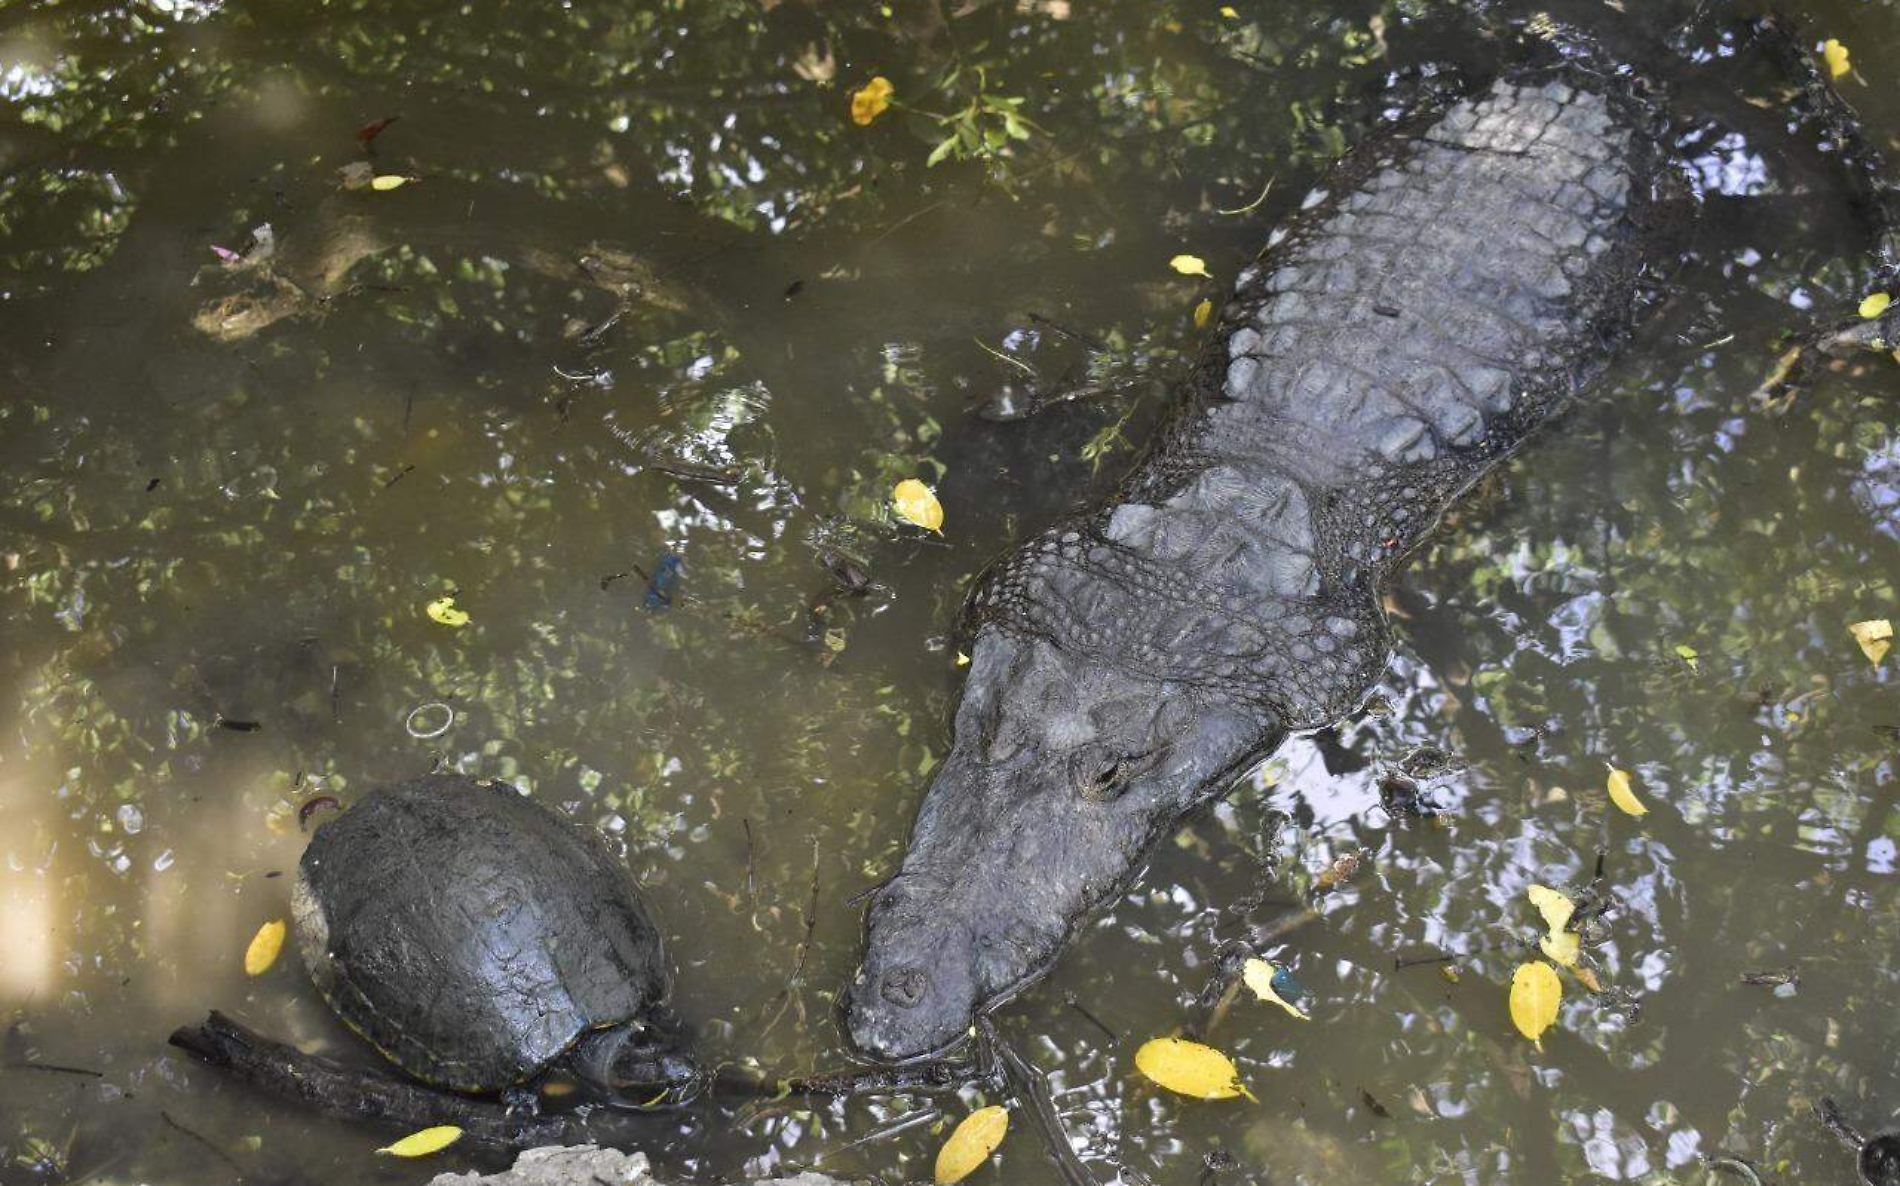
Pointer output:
x,y
420,734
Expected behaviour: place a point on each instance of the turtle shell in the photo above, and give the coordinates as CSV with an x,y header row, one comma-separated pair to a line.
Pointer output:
x,y
472,934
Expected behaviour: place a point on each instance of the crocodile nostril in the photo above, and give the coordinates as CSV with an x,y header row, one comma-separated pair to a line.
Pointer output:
x,y
904,987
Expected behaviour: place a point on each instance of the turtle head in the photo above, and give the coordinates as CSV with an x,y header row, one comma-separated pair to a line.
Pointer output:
x,y
643,1065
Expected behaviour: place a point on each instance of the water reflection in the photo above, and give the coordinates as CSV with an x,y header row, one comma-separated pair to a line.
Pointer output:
x,y
576,342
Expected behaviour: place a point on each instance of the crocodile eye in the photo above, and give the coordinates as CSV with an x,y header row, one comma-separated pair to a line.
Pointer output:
x,y
1097,774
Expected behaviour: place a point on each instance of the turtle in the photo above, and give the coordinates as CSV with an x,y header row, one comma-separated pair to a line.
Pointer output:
x,y
477,939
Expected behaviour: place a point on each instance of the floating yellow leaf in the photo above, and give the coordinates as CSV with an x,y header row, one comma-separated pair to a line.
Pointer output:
x,y
421,1144
1190,1069
443,610
963,660
971,1144
1229,13
1258,975
389,181
1875,638
265,945
1625,798
1535,994
1555,907
1562,947
1588,978
1875,305
1190,265
917,503
1203,313
871,100
1836,56
1688,655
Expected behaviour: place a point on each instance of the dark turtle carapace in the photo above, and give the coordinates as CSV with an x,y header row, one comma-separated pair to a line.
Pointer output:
x,y
478,939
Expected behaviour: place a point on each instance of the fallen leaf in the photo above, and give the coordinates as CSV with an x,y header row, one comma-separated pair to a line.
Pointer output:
x,y
421,1144
1836,56
1229,13
1688,655
389,181
1621,794
963,660
443,610
971,1144
1875,304
265,945
1190,265
1554,906
1258,975
1203,313
1535,995
370,131
1562,947
1190,1068
1587,977
871,100
1875,637
917,503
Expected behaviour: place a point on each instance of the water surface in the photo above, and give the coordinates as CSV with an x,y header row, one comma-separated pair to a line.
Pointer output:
x,y
651,292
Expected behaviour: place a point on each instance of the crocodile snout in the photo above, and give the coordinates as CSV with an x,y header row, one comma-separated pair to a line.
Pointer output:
x,y
917,990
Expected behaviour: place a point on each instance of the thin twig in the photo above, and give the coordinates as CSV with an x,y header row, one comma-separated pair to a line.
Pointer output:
x,y
1033,1087
903,1123
220,1154
56,1068
788,994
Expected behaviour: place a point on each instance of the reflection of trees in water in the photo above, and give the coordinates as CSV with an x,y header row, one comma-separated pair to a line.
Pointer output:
x,y
474,383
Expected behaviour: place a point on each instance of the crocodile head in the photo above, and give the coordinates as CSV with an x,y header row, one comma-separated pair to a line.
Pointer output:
x,y
1062,773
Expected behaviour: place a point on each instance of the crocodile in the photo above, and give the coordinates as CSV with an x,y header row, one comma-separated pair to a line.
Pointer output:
x,y
1448,288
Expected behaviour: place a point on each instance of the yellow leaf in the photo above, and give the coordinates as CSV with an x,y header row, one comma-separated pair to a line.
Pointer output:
x,y
1625,798
917,503
963,660
871,100
1555,908
421,1144
1190,265
1836,55
1203,313
443,610
1875,305
1562,947
265,945
389,181
1535,994
1190,1069
1587,978
1229,13
971,1144
1258,974
1875,638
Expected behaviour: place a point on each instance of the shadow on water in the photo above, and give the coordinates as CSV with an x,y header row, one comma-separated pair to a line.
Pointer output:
x,y
649,291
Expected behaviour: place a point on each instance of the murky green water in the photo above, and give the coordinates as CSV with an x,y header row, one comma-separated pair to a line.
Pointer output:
x,y
651,291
